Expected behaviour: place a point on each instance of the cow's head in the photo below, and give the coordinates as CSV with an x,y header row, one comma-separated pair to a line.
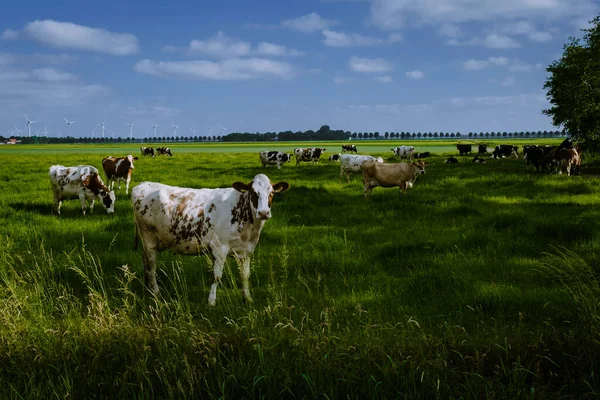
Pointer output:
x,y
379,159
286,157
108,200
420,164
261,194
131,159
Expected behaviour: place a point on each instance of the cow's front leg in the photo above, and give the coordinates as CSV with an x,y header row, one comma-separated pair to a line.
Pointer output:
x,y
127,184
82,198
92,202
245,273
220,255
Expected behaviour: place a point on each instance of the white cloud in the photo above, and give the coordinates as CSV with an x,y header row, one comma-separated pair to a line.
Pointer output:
x,y
225,47
339,80
221,46
369,65
450,30
509,81
52,75
415,75
524,28
477,65
9,34
233,69
520,66
495,41
36,58
45,86
342,39
384,79
309,23
272,49
67,35
152,109
396,14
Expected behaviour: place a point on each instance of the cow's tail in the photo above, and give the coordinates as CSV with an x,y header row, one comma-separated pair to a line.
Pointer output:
x,y
135,236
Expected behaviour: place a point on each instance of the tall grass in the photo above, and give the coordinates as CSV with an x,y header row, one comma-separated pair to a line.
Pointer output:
x,y
481,282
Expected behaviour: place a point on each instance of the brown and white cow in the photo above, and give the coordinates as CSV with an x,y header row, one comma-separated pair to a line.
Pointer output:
x,y
83,182
568,160
310,154
118,169
386,175
350,163
164,151
220,222
274,158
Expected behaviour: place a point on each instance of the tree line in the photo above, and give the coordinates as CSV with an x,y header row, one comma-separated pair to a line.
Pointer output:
x,y
324,133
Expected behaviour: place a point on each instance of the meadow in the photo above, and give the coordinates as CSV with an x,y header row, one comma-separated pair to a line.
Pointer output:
x,y
480,282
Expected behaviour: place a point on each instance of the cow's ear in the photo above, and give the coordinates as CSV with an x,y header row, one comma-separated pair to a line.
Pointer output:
x,y
241,186
281,186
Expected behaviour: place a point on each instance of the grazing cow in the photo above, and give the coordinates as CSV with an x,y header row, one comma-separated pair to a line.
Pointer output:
x,y
505,150
310,154
535,155
482,149
407,152
81,182
422,155
349,147
335,157
478,159
451,160
390,175
218,222
147,151
350,163
164,150
568,160
118,169
463,149
274,158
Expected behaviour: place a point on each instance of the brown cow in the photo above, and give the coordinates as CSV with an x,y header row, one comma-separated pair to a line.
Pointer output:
x,y
568,159
118,169
390,175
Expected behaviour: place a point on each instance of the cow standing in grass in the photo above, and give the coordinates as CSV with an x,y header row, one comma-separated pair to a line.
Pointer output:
x,y
119,169
147,151
82,182
386,175
310,154
220,222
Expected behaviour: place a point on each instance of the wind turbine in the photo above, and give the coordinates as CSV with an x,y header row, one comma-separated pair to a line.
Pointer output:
x,y
193,129
16,130
59,133
222,129
29,122
209,131
103,129
45,131
155,126
130,129
114,135
174,128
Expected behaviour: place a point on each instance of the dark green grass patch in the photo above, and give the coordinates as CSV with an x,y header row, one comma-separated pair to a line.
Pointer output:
x,y
480,282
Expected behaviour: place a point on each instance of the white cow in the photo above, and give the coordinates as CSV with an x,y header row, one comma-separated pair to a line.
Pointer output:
x,y
83,182
404,152
350,163
219,222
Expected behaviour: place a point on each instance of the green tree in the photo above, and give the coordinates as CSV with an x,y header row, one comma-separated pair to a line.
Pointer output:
x,y
573,87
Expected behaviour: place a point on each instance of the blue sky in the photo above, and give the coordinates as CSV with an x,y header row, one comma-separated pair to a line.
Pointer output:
x,y
257,66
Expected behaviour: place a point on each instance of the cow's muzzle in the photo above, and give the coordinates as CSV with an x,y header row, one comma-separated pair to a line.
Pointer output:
x,y
264,215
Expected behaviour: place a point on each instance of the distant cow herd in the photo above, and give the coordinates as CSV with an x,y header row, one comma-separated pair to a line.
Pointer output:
x,y
226,222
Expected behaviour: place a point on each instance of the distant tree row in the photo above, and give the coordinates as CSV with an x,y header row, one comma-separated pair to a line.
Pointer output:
x,y
324,133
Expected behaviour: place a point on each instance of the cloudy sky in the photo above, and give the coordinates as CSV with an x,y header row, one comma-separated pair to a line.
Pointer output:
x,y
274,65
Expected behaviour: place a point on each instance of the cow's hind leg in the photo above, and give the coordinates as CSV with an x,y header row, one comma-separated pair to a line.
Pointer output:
x,y
149,252
57,201
219,255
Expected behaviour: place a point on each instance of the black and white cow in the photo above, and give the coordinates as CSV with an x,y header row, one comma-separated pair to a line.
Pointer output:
x,y
310,154
451,160
463,149
505,150
274,158
147,151
479,160
219,222
82,182
482,149
335,157
404,152
422,155
349,147
164,150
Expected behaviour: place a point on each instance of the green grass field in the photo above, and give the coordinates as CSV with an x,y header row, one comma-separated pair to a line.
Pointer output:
x,y
480,282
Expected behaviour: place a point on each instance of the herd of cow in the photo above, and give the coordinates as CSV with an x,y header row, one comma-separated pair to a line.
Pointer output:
x,y
226,222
